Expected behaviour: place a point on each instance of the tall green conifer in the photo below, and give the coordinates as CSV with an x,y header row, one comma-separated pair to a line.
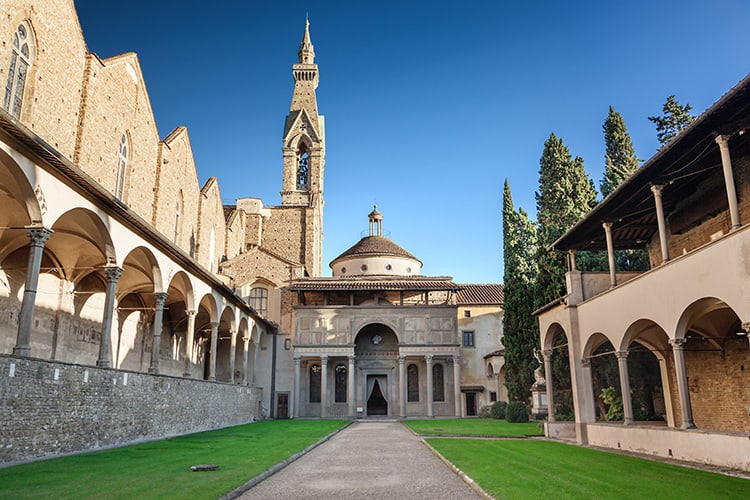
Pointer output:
x,y
520,326
565,194
674,119
619,156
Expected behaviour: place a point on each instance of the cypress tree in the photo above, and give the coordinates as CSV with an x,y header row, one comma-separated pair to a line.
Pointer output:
x,y
520,326
619,156
565,194
675,118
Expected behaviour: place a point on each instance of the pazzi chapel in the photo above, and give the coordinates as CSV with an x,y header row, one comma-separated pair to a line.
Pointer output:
x,y
134,304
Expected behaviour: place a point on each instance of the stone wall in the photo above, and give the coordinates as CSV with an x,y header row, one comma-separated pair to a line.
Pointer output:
x,y
54,408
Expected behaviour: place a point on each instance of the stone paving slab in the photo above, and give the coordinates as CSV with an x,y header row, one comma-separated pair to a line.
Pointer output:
x,y
378,460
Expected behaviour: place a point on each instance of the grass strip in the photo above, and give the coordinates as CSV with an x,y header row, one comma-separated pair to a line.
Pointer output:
x,y
543,469
482,427
161,469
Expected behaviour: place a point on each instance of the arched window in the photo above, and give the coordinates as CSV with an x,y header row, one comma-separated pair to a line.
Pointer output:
x,y
438,386
315,383
20,61
122,167
303,169
258,300
412,383
178,212
341,373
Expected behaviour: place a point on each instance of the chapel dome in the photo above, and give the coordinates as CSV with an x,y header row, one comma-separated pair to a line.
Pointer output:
x,y
375,255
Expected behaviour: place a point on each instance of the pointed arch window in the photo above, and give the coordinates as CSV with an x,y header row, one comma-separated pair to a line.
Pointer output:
x,y
412,383
438,385
315,383
303,168
21,57
122,167
341,375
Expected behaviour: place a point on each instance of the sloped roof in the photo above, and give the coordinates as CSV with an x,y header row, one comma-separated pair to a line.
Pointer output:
x,y
375,246
481,294
681,166
373,283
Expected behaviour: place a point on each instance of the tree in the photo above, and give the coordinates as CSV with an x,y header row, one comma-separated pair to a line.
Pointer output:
x,y
520,327
675,118
620,163
619,155
566,193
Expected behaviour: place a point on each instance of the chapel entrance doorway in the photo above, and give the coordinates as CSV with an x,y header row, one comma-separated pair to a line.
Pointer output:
x,y
471,404
376,402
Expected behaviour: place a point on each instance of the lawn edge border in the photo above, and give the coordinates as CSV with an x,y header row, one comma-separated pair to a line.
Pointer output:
x,y
276,468
461,474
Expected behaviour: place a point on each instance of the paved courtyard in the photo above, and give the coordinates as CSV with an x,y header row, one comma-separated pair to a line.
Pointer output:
x,y
366,460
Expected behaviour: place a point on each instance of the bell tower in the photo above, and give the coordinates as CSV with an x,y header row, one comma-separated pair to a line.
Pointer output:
x,y
304,154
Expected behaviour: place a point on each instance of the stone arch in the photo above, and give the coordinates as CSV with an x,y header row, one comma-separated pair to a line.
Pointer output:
x,y
376,337
207,313
17,197
225,337
560,383
553,330
599,352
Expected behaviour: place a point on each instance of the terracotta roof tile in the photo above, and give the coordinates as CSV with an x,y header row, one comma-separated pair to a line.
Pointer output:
x,y
411,283
484,294
376,245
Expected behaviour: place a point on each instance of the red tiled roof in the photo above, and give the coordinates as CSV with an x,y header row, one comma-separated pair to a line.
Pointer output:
x,y
486,294
375,245
405,283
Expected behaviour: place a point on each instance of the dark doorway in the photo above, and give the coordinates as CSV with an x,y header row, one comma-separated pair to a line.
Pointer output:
x,y
471,404
282,405
376,403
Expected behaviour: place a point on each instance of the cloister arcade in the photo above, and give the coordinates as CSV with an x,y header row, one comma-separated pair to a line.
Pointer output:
x,y
83,280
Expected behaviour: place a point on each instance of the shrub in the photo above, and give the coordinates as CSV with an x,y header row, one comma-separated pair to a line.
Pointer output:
x,y
611,397
484,411
516,412
498,408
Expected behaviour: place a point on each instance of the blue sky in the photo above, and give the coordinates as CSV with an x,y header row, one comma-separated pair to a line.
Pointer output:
x,y
429,106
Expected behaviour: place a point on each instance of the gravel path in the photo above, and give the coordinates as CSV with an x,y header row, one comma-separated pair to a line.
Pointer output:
x,y
366,460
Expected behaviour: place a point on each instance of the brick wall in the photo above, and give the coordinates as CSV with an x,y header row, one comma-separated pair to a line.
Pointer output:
x,y
53,408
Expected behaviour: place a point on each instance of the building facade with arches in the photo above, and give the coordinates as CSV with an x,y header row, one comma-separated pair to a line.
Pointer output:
x,y
676,334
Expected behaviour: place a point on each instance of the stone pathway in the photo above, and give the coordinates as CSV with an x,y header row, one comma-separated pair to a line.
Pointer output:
x,y
378,460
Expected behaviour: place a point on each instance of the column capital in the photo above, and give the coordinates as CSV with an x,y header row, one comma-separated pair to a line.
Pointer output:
x,y
297,360
678,343
657,189
190,313
586,362
214,324
113,273
39,235
324,359
722,140
351,358
607,226
547,354
428,358
401,359
160,297
622,354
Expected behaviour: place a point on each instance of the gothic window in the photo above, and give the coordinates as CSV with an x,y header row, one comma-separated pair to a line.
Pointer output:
x,y
303,169
438,386
341,373
412,383
20,62
122,166
259,300
315,383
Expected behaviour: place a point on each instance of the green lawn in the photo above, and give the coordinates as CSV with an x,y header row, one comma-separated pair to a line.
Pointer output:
x,y
484,427
161,469
517,469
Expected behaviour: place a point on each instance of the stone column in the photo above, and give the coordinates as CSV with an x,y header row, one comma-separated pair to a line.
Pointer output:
x,y
323,386
678,350
232,353
661,221
245,358
726,163
402,385
113,274
214,350
297,385
350,391
156,344
430,409
189,340
627,405
39,237
457,384
547,355
610,253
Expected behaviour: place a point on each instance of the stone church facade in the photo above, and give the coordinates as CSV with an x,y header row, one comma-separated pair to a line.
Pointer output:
x,y
117,265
